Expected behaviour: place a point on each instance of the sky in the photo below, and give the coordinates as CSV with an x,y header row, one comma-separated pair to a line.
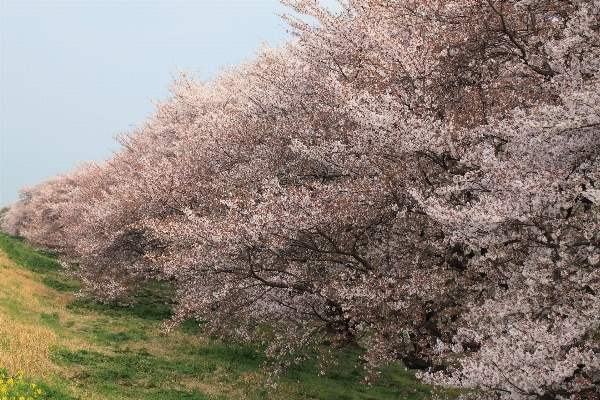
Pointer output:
x,y
74,74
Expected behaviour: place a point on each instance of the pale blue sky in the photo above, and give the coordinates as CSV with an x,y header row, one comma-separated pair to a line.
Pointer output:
x,y
74,74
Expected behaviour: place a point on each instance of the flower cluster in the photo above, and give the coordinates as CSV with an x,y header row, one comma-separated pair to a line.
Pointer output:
x,y
15,388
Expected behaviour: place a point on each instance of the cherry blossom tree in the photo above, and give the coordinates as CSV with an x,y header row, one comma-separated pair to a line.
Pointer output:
x,y
419,177
37,216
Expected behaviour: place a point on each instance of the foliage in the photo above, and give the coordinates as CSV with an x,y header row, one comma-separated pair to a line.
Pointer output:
x,y
419,177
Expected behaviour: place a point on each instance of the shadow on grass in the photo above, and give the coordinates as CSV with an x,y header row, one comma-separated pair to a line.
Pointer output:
x,y
121,362
23,254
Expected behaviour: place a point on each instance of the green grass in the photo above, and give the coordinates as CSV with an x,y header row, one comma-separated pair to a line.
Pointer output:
x,y
27,257
111,352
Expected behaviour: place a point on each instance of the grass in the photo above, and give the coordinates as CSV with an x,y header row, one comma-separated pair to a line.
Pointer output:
x,y
78,349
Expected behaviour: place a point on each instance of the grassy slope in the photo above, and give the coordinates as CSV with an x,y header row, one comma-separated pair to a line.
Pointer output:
x,y
77,349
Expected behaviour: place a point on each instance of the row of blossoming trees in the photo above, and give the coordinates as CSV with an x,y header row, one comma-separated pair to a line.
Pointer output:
x,y
421,177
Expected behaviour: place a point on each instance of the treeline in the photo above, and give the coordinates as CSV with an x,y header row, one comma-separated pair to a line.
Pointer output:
x,y
420,177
